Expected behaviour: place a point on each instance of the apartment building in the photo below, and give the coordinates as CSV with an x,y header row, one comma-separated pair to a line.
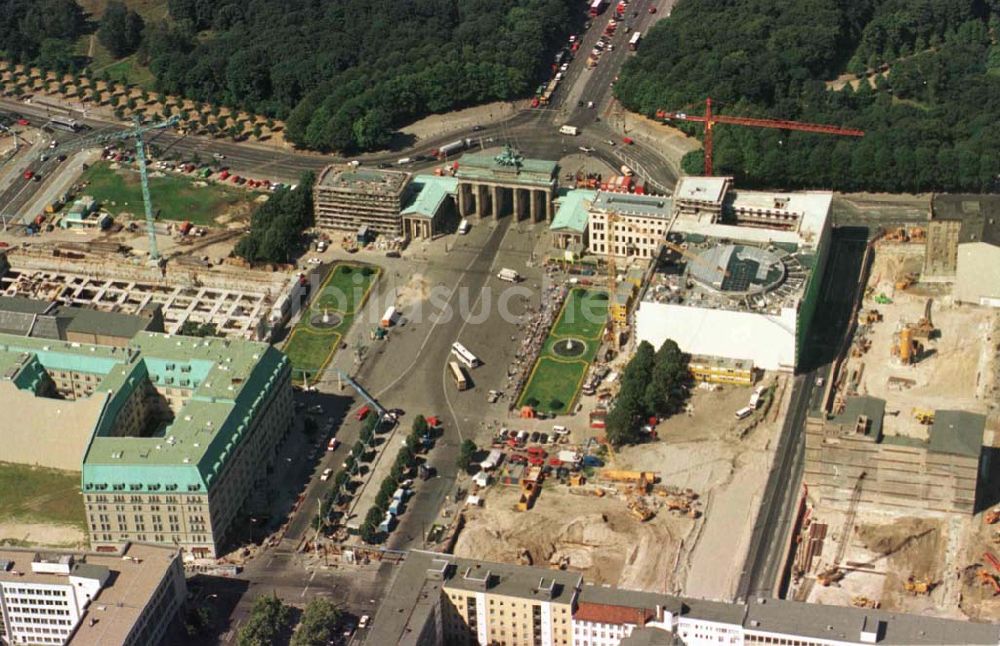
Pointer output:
x,y
173,433
126,598
438,599
347,199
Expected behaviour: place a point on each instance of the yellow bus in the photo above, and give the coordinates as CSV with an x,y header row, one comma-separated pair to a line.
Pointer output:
x,y
458,375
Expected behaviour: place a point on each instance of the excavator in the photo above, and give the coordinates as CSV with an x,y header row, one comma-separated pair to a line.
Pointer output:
x,y
829,576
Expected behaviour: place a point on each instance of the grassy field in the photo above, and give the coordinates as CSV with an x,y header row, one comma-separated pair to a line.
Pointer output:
x,y
39,495
310,348
174,197
555,379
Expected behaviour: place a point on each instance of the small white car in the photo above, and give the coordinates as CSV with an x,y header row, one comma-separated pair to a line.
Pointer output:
x,y
314,261
326,474
365,620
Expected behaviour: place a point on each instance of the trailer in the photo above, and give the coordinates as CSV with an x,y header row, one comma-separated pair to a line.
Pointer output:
x,y
389,317
453,147
492,460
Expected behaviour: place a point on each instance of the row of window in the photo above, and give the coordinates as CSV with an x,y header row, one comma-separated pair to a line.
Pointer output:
x,y
38,592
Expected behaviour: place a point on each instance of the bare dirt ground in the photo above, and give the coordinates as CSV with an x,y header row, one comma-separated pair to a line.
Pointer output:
x,y
725,462
956,368
437,125
25,534
671,143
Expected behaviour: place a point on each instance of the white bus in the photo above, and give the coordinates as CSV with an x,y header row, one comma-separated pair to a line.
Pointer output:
x,y
633,42
458,375
65,123
468,359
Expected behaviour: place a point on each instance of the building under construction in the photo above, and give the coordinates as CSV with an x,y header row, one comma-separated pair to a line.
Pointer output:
x,y
850,451
740,274
347,199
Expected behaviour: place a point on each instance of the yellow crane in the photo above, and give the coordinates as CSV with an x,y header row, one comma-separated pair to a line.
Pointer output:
x,y
693,257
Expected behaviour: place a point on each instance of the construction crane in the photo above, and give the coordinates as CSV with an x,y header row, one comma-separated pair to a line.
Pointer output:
x,y
852,512
135,132
710,119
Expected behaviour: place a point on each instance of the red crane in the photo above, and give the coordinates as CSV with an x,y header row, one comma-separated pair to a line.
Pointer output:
x,y
710,120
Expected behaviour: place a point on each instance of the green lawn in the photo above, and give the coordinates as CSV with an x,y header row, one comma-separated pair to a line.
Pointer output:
x,y
130,72
39,495
345,291
174,197
557,379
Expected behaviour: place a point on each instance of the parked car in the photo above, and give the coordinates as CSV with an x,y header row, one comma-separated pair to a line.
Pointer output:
x,y
326,474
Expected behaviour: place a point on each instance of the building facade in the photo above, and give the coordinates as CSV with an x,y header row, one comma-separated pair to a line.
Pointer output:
x,y
492,185
720,370
346,199
628,226
439,599
963,247
173,433
127,597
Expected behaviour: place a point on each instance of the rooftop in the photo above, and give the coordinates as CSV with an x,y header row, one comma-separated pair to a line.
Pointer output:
x,y
702,189
487,167
957,432
24,316
979,214
647,206
430,192
837,623
572,213
136,574
871,407
363,180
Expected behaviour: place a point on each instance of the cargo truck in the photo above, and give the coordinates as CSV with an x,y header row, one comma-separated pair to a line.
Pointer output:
x,y
569,130
452,148
389,317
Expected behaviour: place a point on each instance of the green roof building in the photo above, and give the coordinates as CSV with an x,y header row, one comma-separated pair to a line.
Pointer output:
x,y
506,183
178,430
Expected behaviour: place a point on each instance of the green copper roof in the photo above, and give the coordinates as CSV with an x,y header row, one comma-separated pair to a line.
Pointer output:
x,y
572,214
431,191
228,380
487,167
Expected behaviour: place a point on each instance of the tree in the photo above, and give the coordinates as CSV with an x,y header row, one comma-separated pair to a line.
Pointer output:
x,y
357,450
319,621
420,426
194,328
268,618
466,452
120,29
198,620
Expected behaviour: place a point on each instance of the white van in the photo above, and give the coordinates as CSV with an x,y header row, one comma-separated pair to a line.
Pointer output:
x,y
744,412
463,227
569,130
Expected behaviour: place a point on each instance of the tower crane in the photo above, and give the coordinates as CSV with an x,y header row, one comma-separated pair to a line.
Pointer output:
x,y
136,132
710,119
693,257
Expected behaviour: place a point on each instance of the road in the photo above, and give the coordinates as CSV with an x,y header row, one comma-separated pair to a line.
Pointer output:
x,y
764,565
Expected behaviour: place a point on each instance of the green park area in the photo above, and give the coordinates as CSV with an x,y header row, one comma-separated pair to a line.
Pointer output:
x,y
39,495
174,197
314,339
567,352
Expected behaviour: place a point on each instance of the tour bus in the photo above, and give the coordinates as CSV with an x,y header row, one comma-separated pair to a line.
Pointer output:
x,y
467,359
458,375
65,123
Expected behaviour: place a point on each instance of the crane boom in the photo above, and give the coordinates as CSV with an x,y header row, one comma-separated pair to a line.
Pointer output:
x,y
710,119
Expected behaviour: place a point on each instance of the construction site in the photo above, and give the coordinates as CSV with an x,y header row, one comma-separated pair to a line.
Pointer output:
x,y
667,515
898,509
238,302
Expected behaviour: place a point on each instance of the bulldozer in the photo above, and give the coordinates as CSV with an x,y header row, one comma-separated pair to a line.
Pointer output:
x,y
923,415
830,575
639,510
905,281
914,585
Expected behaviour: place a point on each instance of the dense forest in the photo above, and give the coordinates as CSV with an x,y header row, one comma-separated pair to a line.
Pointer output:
x,y
343,74
929,96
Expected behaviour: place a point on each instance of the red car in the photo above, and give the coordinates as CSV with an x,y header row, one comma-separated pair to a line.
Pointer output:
x,y
363,413
23,122
652,10
627,140
28,174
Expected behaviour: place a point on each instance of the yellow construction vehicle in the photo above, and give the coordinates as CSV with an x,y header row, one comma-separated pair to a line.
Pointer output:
x,y
989,579
615,475
639,510
859,601
905,281
576,479
923,415
830,575
914,585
